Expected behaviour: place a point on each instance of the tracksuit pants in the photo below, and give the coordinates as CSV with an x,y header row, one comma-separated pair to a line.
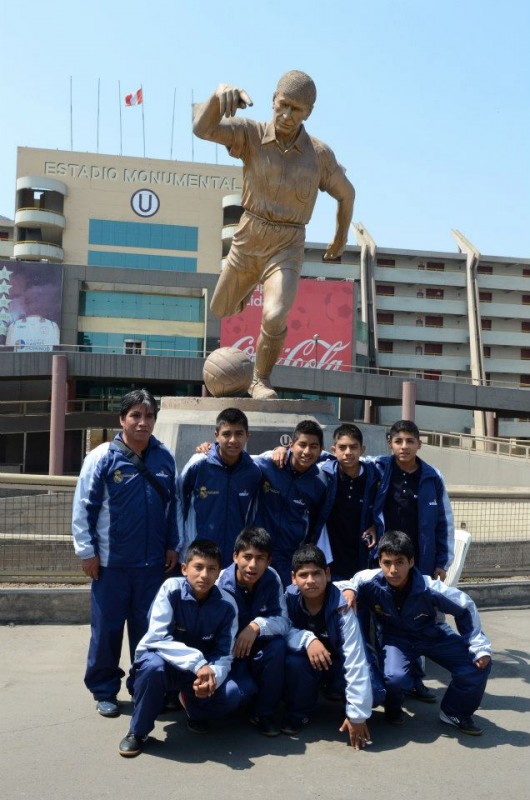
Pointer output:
x,y
120,596
449,650
262,674
302,682
154,678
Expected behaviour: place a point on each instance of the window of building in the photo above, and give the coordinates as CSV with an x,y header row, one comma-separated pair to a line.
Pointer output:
x,y
419,322
133,347
524,381
386,346
485,297
136,306
432,375
486,324
435,266
526,272
386,262
434,293
105,258
419,350
525,353
487,351
3,235
484,269
433,349
434,322
525,326
385,318
385,290
526,299
142,234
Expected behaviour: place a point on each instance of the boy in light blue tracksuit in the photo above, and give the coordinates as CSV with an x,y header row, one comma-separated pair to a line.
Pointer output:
x,y
324,645
217,490
188,648
408,607
260,646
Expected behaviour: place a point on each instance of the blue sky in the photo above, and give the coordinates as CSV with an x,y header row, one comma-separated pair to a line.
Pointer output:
x,y
425,102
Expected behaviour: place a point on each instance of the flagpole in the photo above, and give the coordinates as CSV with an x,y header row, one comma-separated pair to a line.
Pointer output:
x,y
192,139
143,118
71,116
119,106
172,124
97,123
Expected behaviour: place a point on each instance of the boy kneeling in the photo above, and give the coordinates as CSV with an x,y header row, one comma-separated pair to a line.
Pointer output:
x,y
187,649
407,608
325,646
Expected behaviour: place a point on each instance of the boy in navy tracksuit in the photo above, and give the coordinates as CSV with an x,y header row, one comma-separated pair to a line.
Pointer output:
x,y
324,644
407,608
412,498
352,484
293,501
217,490
188,648
260,647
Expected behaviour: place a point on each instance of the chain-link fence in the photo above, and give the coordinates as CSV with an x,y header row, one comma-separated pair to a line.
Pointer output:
x,y
36,542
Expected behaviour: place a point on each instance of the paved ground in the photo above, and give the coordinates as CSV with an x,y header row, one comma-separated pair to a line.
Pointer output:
x,y
53,746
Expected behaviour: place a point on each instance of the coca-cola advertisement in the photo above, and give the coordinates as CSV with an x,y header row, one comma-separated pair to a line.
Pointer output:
x,y
320,326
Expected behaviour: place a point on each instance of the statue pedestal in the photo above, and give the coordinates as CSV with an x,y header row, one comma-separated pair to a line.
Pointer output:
x,y
185,422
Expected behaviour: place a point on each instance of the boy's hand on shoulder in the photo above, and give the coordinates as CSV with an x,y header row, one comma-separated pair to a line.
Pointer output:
x,y
245,640
351,600
358,733
203,447
279,456
482,662
205,683
318,655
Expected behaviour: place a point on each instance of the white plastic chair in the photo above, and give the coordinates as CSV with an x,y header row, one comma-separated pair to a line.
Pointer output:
x,y
462,544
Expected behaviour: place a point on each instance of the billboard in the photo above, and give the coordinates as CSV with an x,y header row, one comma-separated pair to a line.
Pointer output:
x,y
30,304
320,326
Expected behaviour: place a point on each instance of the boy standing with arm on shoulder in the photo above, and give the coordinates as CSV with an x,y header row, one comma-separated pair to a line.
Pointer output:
x,y
188,648
217,489
260,646
324,644
407,608
292,502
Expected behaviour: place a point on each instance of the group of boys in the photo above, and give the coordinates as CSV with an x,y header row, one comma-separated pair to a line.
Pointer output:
x,y
223,633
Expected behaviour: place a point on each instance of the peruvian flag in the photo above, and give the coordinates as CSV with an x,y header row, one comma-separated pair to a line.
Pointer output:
x,y
134,99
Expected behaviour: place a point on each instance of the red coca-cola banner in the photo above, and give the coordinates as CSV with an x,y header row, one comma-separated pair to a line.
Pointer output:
x,y
319,327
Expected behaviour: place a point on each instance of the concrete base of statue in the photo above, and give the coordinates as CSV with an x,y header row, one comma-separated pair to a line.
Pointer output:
x,y
185,422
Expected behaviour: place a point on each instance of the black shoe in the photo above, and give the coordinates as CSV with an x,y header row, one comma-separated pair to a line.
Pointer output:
x,y
108,708
421,692
265,725
132,745
292,725
198,725
464,724
394,717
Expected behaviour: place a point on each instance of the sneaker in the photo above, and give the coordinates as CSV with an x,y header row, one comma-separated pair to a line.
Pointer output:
x,y
292,725
108,708
464,724
394,717
265,725
131,745
421,692
198,725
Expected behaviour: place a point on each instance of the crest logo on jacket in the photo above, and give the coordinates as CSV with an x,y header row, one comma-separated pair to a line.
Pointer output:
x,y
117,477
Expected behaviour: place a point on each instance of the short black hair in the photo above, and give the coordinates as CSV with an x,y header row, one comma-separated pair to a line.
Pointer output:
x,y
403,426
258,538
396,543
231,416
308,554
138,397
204,548
309,427
350,430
